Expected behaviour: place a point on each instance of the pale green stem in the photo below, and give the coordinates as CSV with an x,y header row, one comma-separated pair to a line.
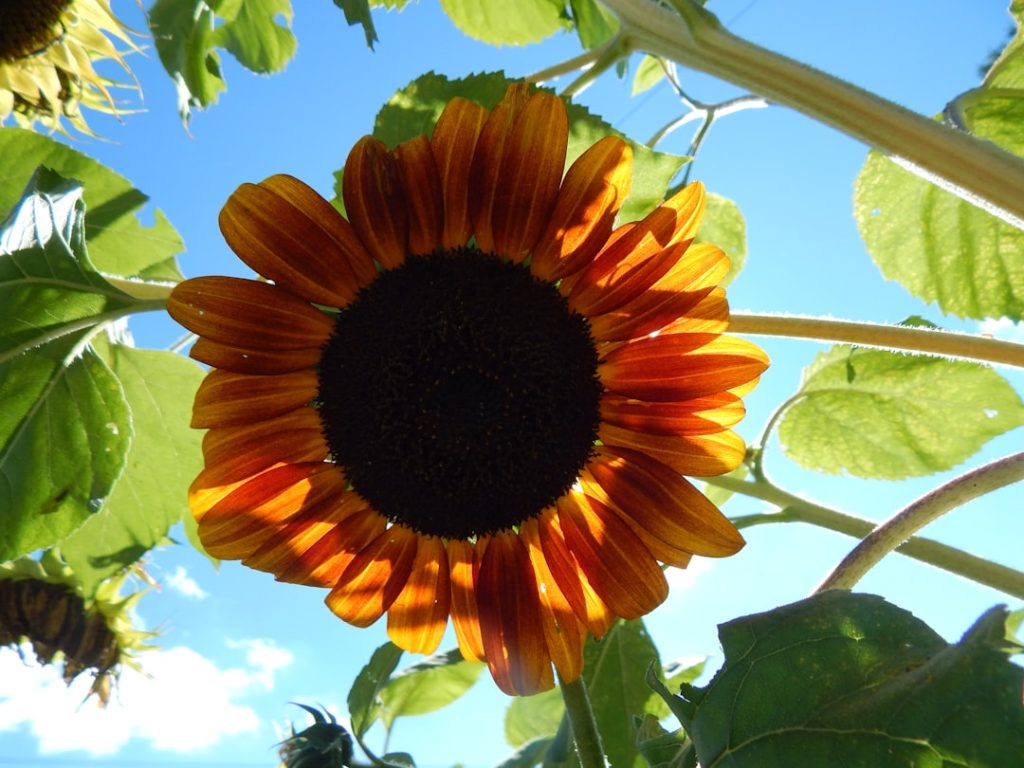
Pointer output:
x,y
975,170
584,727
795,509
912,518
923,340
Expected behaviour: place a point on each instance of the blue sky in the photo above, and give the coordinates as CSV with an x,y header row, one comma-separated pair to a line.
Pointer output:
x,y
235,646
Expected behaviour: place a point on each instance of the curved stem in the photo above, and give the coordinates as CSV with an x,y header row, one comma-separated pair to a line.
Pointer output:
x,y
584,728
901,526
923,340
975,170
794,509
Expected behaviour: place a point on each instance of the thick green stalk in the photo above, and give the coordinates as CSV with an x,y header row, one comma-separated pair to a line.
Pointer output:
x,y
975,170
584,727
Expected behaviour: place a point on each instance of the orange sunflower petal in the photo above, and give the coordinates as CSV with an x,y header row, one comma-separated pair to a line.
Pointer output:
x,y
464,564
616,562
681,366
375,201
230,399
661,502
590,197
230,310
510,618
250,359
696,455
326,559
485,187
278,229
709,315
375,577
426,203
690,417
419,615
531,170
454,142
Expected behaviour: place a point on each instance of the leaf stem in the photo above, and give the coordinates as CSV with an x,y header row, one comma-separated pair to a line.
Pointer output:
x,y
915,516
921,340
975,170
584,727
794,509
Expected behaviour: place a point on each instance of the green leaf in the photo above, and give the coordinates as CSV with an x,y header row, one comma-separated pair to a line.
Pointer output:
x,y
118,242
358,12
413,110
1008,69
427,686
163,459
399,759
595,24
251,33
661,748
528,718
530,754
500,22
886,415
937,246
675,676
877,687
649,73
364,696
723,225
718,495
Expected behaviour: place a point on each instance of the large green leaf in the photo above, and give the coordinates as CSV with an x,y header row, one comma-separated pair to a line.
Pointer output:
x,y
364,706
500,22
845,679
251,32
594,23
149,497
118,242
358,12
1008,69
886,415
413,110
724,226
531,717
427,686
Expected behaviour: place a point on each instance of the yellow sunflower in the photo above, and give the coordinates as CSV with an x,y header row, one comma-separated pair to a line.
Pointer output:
x,y
473,397
47,52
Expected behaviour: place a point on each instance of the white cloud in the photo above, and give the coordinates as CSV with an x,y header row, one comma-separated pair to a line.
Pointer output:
x,y
184,584
180,701
1003,328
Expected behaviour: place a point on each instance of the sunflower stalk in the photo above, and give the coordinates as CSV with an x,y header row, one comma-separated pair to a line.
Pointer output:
x,y
901,526
584,727
974,170
794,509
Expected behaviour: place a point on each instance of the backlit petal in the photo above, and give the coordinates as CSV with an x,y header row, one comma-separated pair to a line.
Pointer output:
x,y
229,399
426,206
464,564
454,143
697,455
690,417
249,358
375,577
419,615
323,563
375,201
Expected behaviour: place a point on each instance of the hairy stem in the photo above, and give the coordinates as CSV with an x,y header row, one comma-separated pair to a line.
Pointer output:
x,y
794,509
901,526
924,340
975,170
581,719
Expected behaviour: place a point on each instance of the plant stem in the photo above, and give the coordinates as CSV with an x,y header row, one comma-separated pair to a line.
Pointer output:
x,y
975,170
794,509
923,340
901,526
584,728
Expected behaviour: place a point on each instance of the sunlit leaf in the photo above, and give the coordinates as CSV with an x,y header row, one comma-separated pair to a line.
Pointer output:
x,y
718,495
500,22
531,717
1008,69
427,686
649,73
595,24
887,415
164,457
845,679
250,31
531,753
661,748
364,695
724,226
675,675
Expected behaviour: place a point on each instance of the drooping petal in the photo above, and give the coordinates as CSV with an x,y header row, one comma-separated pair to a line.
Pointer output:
x,y
696,455
454,143
279,230
510,618
376,202
681,366
228,399
464,564
709,315
375,577
589,199
690,417
531,170
326,560
621,569
251,359
661,502
563,631
631,278
419,615
425,199
485,187
237,312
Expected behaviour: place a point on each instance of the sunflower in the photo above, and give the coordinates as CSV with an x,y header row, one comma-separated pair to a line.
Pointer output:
x,y
473,397
47,52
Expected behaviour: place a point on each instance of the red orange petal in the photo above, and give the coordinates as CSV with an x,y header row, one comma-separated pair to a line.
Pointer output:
x,y
696,455
376,202
464,564
690,417
251,359
425,200
375,577
323,563
454,143
230,399
419,615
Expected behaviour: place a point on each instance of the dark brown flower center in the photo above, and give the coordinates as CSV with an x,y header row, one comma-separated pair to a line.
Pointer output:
x,y
29,26
460,394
